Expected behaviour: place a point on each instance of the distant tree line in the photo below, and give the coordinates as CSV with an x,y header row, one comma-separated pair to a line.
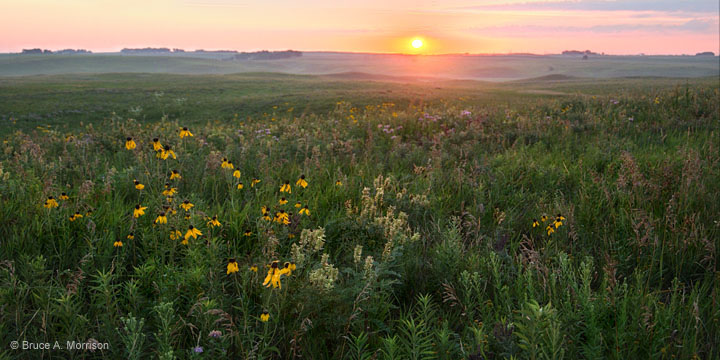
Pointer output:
x,y
61,52
578,52
706,53
268,55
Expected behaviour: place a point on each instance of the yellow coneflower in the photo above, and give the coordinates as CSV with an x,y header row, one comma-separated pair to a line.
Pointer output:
x,y
225,163
161,219
64,196
232,267
118,243
254,182
186,205
543,218
558,220
192,231
89,213
169,190
130,144
272,268
264,209
184,242
535,223
254,268
167,152
265,316
286,187
131,236
170,199
291,236
298,205
240,186
236,174
175,175
282,201
75,216
290,266
304,210
187,216
139,210
247,233
51,203
213,222
138,185
302,182
550,229
266,216
282,217
156,144
338,183
185,132
175,234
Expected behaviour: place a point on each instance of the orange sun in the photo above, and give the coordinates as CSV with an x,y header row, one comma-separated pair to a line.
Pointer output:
x,y
417,43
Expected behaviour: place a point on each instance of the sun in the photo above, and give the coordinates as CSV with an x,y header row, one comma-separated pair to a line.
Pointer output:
x,y
417,43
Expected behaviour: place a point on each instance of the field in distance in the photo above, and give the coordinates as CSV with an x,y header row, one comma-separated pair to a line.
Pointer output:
x,y
474,67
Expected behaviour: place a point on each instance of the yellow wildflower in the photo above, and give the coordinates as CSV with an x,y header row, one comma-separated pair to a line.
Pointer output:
x,y
185,132
139,210
130,144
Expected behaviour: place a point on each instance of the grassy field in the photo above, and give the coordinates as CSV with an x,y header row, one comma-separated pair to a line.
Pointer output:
x,y
538,219
470,67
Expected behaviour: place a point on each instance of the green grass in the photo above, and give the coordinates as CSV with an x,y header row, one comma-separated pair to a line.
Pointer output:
x,y
424,249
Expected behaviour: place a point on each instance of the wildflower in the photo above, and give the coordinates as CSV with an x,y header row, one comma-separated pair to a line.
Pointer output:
x,y
232,267
254,268
301,181
192,231
131,236
161,219
169,190
290,266
89,213
282,201
338,183
64,196
240,186
169,199
543,218
272,268
139,210
175,234
247,233
138,185
550,229
304,210
266,216
198,349
558,220
156,144
187,217
75,216
167,152
118,243
286,187
264,209
185,132
236,174
215,334
265,316
282,217
130,144
186,205
225,164
298,205
184,242
175,175
535,223
50,203
214,221
254,182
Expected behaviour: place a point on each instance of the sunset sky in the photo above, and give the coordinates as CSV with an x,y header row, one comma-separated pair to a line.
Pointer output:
x,y
445,26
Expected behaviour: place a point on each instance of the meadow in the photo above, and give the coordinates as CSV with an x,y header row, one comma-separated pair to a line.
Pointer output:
x,y
269,216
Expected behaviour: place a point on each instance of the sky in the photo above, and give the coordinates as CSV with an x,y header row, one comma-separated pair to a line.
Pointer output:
x,y
380,26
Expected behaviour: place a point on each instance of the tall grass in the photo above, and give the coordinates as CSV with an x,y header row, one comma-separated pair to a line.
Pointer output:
x,y
419,244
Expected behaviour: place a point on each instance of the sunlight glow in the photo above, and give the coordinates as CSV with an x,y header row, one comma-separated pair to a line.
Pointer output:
x,y
417,43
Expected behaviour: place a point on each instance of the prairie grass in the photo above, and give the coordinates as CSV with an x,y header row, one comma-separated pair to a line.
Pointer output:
x,y
419,242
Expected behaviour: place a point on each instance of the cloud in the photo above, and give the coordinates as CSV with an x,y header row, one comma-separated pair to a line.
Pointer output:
x,y
697,6
692,26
